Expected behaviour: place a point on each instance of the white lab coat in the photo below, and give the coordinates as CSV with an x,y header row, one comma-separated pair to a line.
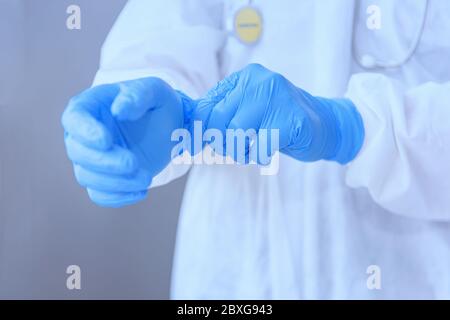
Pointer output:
x,y
314,230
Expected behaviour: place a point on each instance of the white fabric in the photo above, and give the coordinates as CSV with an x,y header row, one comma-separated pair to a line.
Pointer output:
x,y
312,230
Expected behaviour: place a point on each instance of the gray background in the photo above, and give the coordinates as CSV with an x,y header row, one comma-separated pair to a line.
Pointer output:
x,y
47,221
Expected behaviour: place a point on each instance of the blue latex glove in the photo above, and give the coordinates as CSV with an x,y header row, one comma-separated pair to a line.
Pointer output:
x,y
118,137
310,128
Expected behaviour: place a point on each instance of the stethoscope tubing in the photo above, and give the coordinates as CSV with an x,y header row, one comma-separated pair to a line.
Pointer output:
x,y
375,64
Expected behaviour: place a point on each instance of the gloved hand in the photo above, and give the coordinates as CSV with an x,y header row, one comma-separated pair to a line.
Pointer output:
x,y
118,137
310,128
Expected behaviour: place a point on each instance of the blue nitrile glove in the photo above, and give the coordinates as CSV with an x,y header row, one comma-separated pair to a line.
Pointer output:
x,y
310,128
118,137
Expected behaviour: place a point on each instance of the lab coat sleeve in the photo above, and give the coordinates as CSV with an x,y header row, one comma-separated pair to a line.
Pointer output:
x,y
405,159
177,41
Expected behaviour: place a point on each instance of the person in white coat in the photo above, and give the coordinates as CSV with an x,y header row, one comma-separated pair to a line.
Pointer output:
x,y
375,227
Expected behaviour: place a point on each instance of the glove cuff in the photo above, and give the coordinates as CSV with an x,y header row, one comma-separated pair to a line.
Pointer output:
x,y
349,128
188,109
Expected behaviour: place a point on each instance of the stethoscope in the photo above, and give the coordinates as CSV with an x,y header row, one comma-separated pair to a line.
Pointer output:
x,y
248,25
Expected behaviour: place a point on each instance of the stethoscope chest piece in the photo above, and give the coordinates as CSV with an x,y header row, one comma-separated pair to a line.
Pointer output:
x,y
248,25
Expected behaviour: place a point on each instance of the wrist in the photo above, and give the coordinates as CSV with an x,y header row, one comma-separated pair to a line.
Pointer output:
x,y
194,122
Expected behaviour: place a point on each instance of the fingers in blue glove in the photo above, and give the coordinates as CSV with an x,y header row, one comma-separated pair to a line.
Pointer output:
x,y
116,160
131,104
81,117
246,122
136,182
115,200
